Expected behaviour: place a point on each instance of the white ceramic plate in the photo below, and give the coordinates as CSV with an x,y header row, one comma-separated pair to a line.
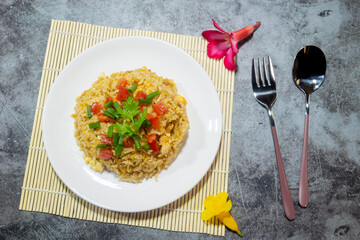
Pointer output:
x,y
128,53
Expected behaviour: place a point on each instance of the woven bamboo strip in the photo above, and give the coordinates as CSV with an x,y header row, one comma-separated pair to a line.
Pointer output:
x,y
52,39
54,64
186,215
33,169
56,58
41,181
41,170
62,49
38,184
52,188
232,79
76,41
27,176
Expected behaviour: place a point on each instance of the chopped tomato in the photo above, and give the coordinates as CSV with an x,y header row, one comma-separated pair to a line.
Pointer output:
x,y
123,94
108,99
154,147
160,108
106,154
106,140
95,107
103,118
151,138
155,122
122,83
128,142
150,115
140,95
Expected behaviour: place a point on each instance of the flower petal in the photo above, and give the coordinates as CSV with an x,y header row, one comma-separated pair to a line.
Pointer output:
x,y
218,27
209,201
217,49
244,32
229,222
207,214
229,60
212,35
233,44
222,196
228,206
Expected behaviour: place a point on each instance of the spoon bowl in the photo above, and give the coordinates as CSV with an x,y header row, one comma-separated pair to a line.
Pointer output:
x,y
308,74
309,69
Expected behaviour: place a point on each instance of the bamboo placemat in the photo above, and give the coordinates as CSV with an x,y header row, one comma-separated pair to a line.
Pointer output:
x,y
43,191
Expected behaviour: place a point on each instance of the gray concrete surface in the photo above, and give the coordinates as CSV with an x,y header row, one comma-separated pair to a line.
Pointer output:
x,y
334,136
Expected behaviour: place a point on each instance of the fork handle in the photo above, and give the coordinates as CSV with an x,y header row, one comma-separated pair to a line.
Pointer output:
x,y
303,185
288,203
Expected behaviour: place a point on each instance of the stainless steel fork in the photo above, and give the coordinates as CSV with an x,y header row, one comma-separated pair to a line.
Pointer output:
x,y
264,87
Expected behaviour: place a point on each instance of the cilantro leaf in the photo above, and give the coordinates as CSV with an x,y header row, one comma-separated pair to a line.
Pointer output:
x,y
138,122
131,126
124,128
130,109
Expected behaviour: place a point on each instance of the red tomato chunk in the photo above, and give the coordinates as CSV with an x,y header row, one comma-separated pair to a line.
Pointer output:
x,y
108,99
106,154
122,83
155,122
160,108
128,142
103,118
95,107
151,138
123,94
140,95
106,140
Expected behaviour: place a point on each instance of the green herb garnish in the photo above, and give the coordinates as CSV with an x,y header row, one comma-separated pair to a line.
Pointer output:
x,y
88,111
118,150
130,109
115,138
94,125
109,104
146,146
146,101
102,146
110,131
152,95
116,105
132,88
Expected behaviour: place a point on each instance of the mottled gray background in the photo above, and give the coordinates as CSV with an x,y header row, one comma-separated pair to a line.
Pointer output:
x,y
334,139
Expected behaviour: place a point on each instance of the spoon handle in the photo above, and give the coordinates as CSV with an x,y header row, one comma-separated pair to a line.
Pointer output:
x,y
303,186
288,203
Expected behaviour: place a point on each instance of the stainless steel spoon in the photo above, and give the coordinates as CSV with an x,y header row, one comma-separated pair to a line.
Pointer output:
x,y
308,75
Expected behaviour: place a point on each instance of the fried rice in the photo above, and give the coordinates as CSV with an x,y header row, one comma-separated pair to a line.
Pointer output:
x,y
147,158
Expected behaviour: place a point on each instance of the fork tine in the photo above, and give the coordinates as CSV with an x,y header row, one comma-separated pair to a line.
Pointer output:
x,y
253,80
271,73
261,82
266,79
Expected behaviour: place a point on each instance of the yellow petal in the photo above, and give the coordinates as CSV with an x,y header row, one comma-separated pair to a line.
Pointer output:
x,y
229,222
228,206
207,214
215,205
209,201
222,197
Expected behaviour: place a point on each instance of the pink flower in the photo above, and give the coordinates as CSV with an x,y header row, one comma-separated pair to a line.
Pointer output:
x,y
222,43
